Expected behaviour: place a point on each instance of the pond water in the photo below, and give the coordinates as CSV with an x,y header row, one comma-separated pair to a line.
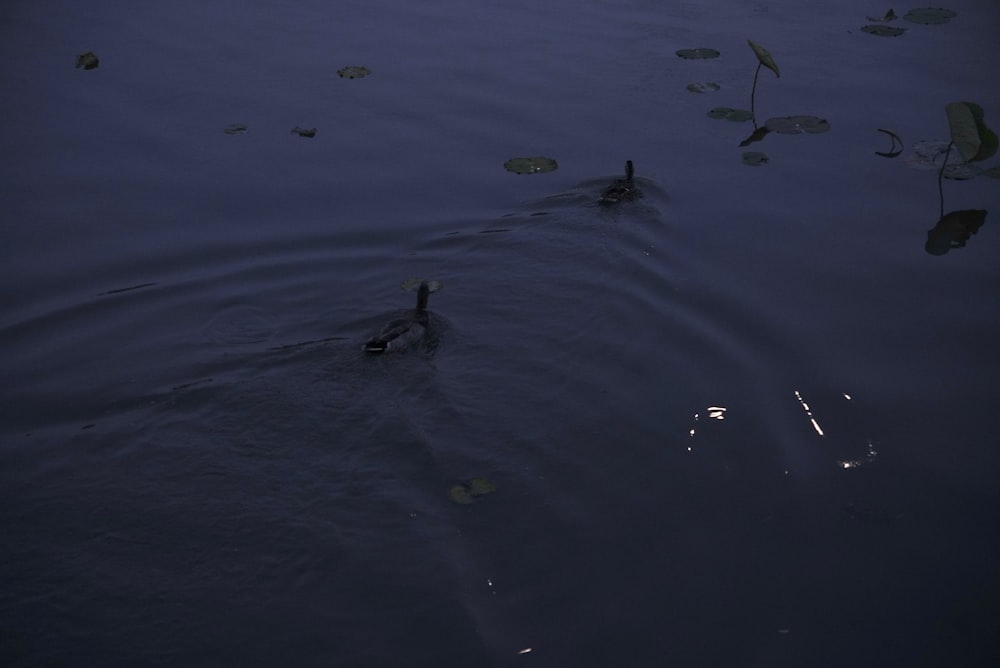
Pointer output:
x,y
744,420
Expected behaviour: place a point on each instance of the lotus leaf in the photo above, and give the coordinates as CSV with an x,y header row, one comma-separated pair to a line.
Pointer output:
x,y
535,165
465,493
235,129
930,15
969,133
793,125
480,486
754,158
304,132
697,54
883,31
706,87
764,56
354,72
87,61
730,114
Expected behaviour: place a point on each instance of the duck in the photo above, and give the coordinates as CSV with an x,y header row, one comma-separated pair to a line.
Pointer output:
x,y
621,189
401,333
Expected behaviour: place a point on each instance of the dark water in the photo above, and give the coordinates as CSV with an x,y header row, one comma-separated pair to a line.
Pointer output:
x,y
200,467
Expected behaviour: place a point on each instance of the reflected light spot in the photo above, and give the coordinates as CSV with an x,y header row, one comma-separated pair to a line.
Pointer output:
x,y
805,407
848,397
717,412
526,650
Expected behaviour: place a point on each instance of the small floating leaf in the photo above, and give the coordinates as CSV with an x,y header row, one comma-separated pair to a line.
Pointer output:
x,y
481,486
756,135
730,114
87,61
411,284
460,494
793,125
706,87
883,31
535,165
304,132
354,72
954,230
930,15
697,54
764,56
754,158
235,129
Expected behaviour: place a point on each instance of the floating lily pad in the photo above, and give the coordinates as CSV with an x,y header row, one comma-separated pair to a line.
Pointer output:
x,y
468,492
883,31
535,165
304,132
889,16
756,135
793,125
961,172
755,158
354,72
992,172
697,54
705,87
235,129
411,284
764,56
969,133
730,114
925,153
954,230
930,15
87,61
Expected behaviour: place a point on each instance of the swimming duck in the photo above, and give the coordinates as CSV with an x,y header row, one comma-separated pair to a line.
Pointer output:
x,y
621,189
403,332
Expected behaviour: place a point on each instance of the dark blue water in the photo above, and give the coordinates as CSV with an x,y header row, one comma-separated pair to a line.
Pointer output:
x,y
745,420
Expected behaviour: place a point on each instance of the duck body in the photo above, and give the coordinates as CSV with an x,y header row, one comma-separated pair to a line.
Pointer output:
x,y
621,189
402,333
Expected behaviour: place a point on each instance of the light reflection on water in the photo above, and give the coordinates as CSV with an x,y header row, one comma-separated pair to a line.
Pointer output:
x,y
680,399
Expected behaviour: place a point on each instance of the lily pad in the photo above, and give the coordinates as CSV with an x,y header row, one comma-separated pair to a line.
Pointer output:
x,y
730,114
698,54
87,61
534,165
705,87
304,132
954,230
969,133
354,72
411,284
930,15
793,125
235,129
764,56
883,31
468,492
755,158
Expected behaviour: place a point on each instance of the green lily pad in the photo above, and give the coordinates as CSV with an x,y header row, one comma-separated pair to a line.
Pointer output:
x,y
304,132
535,165
883,31
235,129
930,15
793,125
730,114
755,158
705,87
969,133
468,492
87,61
764,56
481,486
354,72
698,54
412,284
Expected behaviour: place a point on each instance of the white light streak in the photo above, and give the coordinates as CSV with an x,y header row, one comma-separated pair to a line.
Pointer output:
x,y
805,407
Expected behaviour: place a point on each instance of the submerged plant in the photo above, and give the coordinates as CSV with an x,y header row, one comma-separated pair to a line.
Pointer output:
x,y
764,59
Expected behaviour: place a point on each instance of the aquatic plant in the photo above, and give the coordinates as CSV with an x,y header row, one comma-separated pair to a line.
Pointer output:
x,y
87,61
354,72
531,165
764,59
